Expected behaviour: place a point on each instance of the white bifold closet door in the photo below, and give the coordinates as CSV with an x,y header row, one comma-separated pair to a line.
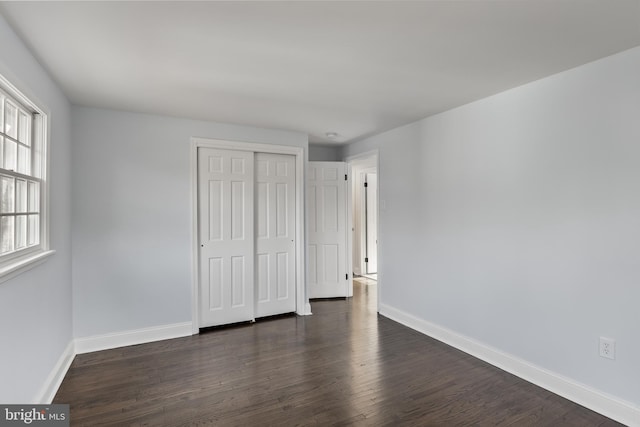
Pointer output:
x,y
246,222
275,234
327,218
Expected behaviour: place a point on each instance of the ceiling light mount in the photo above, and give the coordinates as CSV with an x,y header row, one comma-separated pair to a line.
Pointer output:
x,y
331,135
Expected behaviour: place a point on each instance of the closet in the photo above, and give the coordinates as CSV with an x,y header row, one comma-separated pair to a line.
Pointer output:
x,y
246,231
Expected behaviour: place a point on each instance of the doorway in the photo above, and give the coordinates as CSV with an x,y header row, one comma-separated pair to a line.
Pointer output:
x,y
370,223
364,217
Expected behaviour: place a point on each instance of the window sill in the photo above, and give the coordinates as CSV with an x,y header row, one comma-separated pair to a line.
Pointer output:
x,y
23,264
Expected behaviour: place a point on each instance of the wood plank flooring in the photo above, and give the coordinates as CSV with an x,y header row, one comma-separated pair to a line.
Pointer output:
x,y
345,365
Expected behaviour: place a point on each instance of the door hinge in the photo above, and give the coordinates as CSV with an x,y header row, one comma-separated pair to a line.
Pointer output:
x,y
345,176
365,184
346,277
366,260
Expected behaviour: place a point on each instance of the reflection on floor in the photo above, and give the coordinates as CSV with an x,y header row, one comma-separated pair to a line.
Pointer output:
x,y
366,291
370,277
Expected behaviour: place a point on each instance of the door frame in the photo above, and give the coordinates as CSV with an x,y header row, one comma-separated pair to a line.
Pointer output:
x,y
360,162
362,201
302,303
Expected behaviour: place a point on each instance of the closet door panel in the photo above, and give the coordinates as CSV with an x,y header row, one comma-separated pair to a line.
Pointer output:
x,y
226,236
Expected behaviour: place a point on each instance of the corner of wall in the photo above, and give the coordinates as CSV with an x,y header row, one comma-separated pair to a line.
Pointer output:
x,y
607,405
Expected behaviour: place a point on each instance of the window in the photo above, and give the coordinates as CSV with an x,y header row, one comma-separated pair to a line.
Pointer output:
x,y
23,225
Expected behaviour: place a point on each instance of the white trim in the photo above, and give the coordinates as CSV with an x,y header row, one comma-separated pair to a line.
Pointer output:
x,y
195,310
104,342
301,243
255,147
24,264
301,298
52,383
45,211
349,236
362,156
132,337
607,405
307,309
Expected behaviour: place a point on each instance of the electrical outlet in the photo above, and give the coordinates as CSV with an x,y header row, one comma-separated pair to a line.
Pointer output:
x,y
607,348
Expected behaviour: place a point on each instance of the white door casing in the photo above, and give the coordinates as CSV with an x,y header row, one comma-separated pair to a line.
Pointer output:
x,y
371,192
327,219
225,193
275,234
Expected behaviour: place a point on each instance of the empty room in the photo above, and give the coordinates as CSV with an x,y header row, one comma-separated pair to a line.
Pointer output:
x,y
376,213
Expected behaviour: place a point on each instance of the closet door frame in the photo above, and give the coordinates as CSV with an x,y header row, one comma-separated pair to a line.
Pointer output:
x,y
302,301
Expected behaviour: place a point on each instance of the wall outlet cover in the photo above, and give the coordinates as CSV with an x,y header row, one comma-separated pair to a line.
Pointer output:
x,y
607,348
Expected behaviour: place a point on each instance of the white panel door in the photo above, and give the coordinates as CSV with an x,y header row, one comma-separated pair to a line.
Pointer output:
x,y
275,234
371,191
225,222
327,217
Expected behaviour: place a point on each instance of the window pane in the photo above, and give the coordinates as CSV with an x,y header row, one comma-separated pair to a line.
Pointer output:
x,y
21,195
6,234
7,204
11,120
23,148
33,230
10,149
24,160
21,231
24,128
34,197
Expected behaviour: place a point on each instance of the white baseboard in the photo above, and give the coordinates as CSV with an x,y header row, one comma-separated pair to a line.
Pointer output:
x,y
610,406
105,342
53,381
306,310
132,337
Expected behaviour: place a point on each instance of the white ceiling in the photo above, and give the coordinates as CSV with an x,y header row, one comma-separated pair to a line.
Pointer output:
x,y
355,68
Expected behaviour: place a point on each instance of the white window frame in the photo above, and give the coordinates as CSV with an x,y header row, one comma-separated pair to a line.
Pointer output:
x,y
15,263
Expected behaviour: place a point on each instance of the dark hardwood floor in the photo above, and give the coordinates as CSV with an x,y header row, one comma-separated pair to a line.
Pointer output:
x,y
345,365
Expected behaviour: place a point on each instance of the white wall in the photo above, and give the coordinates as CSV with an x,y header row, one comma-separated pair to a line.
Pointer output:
x,y
324,153
35,307
399,245
520,214
132,215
